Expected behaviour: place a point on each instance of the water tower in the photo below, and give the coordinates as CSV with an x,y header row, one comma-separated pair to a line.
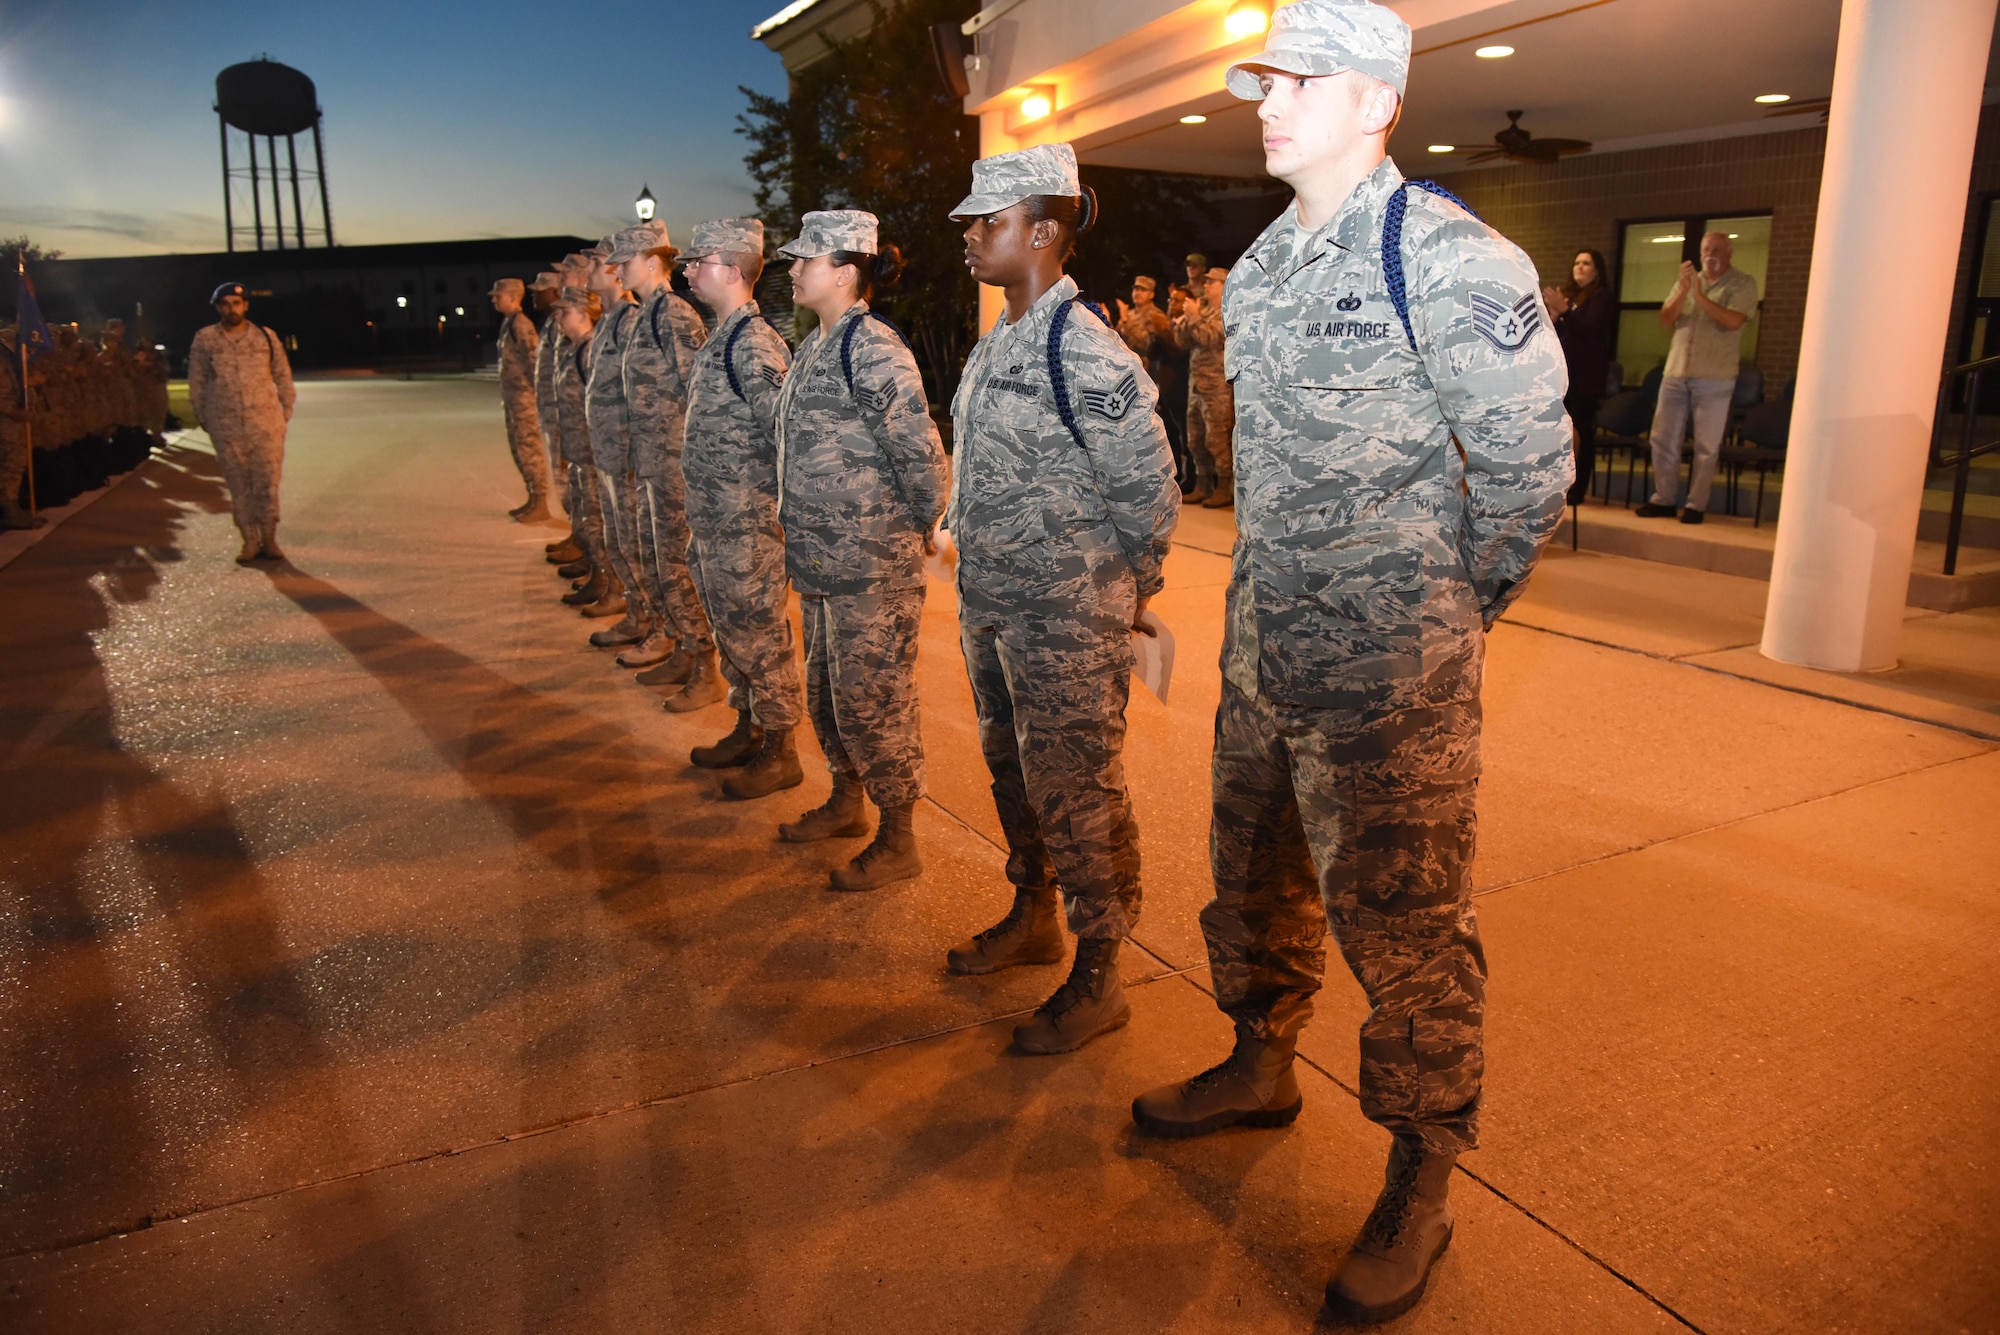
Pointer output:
x,y
263,100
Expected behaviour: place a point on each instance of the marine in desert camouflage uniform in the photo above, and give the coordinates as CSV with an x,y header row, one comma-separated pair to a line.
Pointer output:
x,y
1396,484
736,550
518,344
862,481
240,386
1063,505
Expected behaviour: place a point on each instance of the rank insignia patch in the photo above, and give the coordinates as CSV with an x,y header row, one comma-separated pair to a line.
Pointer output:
x,y
1113,405
1507,328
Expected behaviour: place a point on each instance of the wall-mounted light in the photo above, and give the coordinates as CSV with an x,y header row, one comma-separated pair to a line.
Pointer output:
x,y
1247,18
1772,99
1444,148
1038,103
402,301
1494,52
645,204
458,310
1194,120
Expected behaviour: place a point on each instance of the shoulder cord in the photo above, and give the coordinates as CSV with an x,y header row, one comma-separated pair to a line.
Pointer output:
x,y
729,353
1392,246
1058,320
847,344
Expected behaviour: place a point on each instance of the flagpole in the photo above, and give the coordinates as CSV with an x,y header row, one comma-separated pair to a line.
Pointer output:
x,y
21,352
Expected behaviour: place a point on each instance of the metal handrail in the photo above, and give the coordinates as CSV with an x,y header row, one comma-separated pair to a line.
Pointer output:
x,y
1961,461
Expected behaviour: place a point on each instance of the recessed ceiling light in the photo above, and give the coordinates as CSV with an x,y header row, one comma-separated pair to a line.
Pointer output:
x,y
1770,99
1444,148
1247,18
1194,120
1493,52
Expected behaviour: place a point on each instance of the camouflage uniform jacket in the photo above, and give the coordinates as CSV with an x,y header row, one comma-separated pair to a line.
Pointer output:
x,y
604,395
518,344
572,380
1041,524
1199,333
862,474
1144,329
730,460
1390,500
662,337
240,384
547,353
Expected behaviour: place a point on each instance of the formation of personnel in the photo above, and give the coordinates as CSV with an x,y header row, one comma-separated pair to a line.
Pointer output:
x,y
1396,460
78,392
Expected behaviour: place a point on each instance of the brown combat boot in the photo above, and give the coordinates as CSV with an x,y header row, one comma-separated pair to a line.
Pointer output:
x,y
704,687
270,550
1223,496
775,766
253,546
842,816
736,749
611,603
675,669
1090,1002
568,544
1204,487
1253,1086
629,629
1385,1273
535,512
575,568
591,590
655,648
1029,934
892,856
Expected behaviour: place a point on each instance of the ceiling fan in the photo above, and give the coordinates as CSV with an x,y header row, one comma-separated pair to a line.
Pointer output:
x,y
1516,144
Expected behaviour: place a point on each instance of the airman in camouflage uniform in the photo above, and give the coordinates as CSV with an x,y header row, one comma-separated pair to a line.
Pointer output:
x,y
611,453
14,434
1211,404
544,290
572,378
862,479
518,345
240,386
1063,506
665,334
1397,479
730,462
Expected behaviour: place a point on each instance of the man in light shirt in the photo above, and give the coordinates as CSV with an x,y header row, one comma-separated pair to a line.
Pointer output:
x,y
1707,311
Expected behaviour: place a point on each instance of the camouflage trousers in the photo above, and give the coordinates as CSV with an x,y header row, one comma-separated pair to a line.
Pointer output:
x,y
1381,805
524,437
1054,741
618,502
663,562
586,512
1211,428
741,579
545,418
252,462
13,465
861,688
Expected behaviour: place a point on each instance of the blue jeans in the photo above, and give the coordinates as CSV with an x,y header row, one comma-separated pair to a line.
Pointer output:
x,y
1707,400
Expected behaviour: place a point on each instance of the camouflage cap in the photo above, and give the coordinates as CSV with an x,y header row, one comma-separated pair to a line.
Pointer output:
x,y
601,252
1143,281
508,287
1198,258
1314,37
726,236
824,231
580,297
548,280
1008,178
579,262
1217,275
633,242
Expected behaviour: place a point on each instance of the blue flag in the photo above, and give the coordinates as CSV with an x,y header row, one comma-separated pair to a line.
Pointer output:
x,y
33,330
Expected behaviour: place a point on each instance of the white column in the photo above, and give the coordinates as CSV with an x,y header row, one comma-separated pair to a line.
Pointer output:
x,y
1907,82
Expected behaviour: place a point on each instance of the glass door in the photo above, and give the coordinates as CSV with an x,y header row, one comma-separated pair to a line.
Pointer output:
x,y
1649,261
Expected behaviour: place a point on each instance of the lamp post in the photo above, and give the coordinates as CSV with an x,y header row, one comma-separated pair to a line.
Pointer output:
x,y
645,204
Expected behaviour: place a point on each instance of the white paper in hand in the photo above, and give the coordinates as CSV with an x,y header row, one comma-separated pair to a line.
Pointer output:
x,y
943,562
1155,654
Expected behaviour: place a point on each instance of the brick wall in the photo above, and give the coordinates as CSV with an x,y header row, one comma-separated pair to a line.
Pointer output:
x,y
1554,211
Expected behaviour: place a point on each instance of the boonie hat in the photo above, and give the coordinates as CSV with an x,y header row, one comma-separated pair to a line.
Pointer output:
x,y
633,242
726,236
1006,179
225,290
824,231
512,287
1316,37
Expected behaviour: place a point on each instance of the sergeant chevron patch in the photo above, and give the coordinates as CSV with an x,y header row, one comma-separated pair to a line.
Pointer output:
x,y
1507,328
1114,404
876,401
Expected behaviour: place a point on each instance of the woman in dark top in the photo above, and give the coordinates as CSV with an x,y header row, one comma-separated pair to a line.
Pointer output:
x,y
1583,309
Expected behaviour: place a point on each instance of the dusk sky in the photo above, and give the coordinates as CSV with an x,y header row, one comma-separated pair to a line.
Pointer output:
x,y
443,120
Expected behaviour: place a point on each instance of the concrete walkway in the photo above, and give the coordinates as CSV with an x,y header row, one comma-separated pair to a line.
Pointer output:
x,y
372,959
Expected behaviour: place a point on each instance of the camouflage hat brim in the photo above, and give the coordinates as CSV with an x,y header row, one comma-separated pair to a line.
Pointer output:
x,y
802,248
979,206
1242,78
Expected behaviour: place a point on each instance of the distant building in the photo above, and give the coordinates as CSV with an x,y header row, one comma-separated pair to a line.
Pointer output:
x,y
344,306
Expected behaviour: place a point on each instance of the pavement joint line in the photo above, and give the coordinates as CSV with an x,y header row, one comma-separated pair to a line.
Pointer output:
x,y
504,1138
1724,824
1539,1222
1687,661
